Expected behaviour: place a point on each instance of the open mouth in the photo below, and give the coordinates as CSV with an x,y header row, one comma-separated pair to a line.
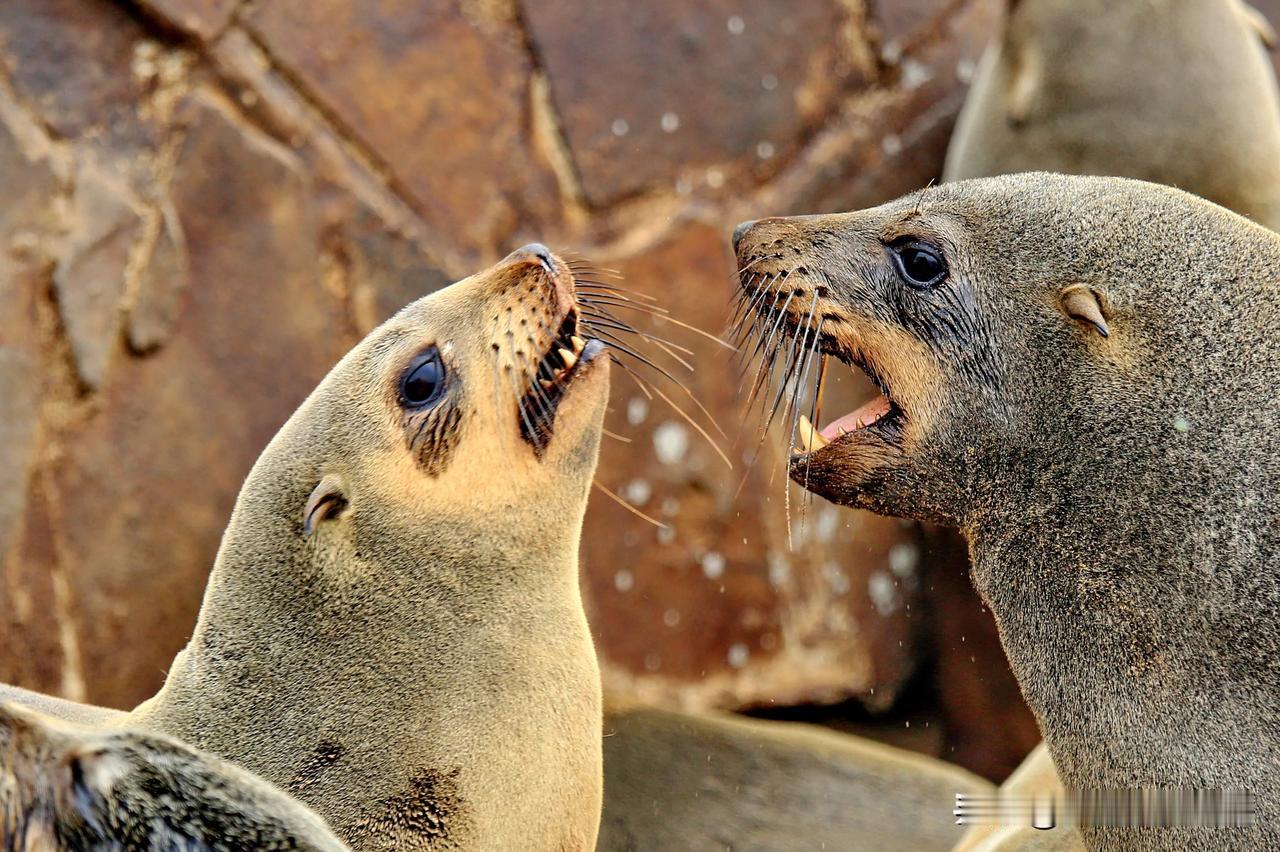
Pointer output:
x,y
564,358
880,416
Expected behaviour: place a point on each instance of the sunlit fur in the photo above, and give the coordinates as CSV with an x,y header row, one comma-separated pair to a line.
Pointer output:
x,y
430,639
1118,493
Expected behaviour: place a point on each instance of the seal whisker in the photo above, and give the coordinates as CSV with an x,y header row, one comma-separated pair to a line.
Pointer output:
x,y
624,504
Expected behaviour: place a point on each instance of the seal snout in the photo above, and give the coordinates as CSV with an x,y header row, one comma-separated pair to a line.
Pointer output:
x,y
535,253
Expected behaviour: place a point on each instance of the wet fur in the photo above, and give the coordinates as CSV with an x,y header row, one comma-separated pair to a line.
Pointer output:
x,y
1118,493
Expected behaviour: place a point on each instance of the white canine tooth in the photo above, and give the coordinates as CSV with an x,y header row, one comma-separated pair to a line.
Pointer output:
x,y
546,384
578,343
568,357
810,438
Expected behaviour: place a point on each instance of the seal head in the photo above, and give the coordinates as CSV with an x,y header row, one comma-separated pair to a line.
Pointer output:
x,y
393,630
1080,374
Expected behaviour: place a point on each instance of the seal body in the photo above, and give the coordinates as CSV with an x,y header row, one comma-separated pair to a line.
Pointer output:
x,y
1079,374
392,630
1178,92
715,780
65,786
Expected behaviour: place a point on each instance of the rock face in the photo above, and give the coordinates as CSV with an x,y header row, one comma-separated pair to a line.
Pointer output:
x,y
205,202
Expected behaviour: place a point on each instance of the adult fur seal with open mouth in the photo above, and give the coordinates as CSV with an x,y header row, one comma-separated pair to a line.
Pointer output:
x,y
393,630
1080,374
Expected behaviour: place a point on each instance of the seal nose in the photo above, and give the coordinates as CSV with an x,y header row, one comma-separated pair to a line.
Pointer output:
x,y
536,250
740,231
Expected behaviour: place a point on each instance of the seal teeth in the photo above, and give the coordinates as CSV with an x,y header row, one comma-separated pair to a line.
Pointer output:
x,y
811,439
569,358
578,343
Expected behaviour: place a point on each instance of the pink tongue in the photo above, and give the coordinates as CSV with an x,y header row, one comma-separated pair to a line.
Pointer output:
x,y
869,413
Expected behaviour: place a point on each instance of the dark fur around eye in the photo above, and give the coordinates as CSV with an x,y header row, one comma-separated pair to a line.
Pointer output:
x,y
919,264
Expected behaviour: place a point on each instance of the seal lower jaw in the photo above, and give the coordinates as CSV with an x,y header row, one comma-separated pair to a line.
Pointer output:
x,y
567,357
879,418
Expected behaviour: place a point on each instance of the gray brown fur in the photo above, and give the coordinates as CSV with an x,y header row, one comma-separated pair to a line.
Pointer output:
x,y
714,781
1118,493
72,787
1179,92
418,669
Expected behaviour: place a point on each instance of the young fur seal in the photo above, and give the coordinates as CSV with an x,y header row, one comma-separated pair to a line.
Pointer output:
x,y
1080,374
65,786
392,631
1174,91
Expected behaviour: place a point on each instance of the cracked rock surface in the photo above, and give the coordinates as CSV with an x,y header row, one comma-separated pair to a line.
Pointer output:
x,y
206,202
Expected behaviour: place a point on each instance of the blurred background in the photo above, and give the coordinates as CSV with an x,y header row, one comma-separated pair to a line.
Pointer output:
x,y
205,203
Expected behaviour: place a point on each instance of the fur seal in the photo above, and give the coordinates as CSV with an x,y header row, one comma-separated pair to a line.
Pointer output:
x,y
1079,373
65,786
715,781
393,630
1178,92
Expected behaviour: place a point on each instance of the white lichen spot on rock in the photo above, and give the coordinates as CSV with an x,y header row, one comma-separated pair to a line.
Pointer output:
x,y
915,74
670,122
1182,424
713,565
715,178
779,570
670,442
892,145
965,69
836,577
637,492
736,25
623,580
738,655
637,410
883,594
671,618
769,82
765,150
903,559
670,507
620,127
828,523
666,534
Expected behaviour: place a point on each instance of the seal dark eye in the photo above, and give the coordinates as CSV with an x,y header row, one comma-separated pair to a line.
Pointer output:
x,y
423,382
920,264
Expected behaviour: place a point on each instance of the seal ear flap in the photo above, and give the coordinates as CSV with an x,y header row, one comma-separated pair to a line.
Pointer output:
x,y
328,500
1083,304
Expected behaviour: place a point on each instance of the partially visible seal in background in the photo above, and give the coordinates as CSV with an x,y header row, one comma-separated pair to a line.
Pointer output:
x,y
715,780
1178,92
1080,374
65,786
393,630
